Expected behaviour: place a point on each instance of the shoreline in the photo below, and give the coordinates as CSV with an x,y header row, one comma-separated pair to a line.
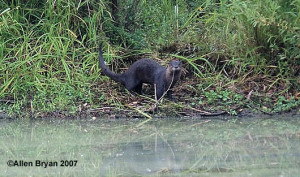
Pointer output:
x,y
107,113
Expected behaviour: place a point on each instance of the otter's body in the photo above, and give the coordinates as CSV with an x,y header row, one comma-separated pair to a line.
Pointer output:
x,y
146,71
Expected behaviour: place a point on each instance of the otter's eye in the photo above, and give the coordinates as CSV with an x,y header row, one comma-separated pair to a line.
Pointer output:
x,y
175,64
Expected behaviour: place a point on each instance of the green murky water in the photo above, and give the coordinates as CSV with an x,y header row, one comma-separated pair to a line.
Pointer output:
x,y
161,147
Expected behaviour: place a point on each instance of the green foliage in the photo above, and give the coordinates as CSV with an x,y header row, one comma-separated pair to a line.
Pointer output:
x,y
284,104
48,48
45,55
222,97
195,66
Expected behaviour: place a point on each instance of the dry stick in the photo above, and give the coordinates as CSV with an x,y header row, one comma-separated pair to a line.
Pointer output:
x,y
157,101
202,113
8,101
191,108
139,111
200,123
142,123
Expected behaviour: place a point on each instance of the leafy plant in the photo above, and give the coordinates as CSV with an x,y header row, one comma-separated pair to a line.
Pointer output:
x,y
223,97
48,54
284,104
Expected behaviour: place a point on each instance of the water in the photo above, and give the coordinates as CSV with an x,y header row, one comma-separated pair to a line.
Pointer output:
x,y
160,147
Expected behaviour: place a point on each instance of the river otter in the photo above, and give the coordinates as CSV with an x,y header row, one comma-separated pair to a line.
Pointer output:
x,y
146,71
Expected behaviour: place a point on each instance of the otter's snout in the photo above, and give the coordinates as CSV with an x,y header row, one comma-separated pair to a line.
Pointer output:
x,y
175,64
176,68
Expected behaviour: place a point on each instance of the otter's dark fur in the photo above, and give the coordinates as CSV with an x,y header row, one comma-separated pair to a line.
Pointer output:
x,y
145,71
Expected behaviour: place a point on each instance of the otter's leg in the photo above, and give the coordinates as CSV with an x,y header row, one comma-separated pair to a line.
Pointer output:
x,y
160,89
133,85
138,88
169,95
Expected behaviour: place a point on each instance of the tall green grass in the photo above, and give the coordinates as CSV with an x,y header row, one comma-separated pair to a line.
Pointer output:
x,y
48,49
255,35
47,52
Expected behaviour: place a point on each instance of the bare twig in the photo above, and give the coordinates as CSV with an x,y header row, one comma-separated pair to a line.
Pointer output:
x,y
157,101
139,111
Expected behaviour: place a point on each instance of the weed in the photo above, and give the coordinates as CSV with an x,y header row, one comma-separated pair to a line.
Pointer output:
x,y
48,55
284,104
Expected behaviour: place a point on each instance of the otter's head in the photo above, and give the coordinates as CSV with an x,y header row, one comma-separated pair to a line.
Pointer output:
x,y
173,72
175,65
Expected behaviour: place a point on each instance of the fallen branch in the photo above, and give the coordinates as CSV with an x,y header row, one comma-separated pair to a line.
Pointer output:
x,y
202,113
139,111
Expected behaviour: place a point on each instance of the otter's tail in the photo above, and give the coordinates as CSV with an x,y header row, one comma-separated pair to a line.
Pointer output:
x,y
106,70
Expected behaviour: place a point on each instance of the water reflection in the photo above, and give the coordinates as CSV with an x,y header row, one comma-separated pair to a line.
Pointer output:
x,y
168,147
143,158
254,148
